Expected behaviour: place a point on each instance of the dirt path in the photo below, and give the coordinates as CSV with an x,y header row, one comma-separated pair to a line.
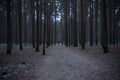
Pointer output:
x,y
62,63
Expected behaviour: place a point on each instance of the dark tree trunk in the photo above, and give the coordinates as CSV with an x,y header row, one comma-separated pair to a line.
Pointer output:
x,y
72,23
33,22
66,22
104,31
25,25
9,28
37,29
75,23
96,22
110,20
82,26
48,25
113,27
51,23
20,24
69,23
41,11
45,24
117,28
91,23
55,34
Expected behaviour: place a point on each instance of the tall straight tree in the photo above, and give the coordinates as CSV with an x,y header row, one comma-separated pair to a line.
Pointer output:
x,y
112,27
82,26
66,21
37,29
51,22
116,24
45,24
91,23
25,22
55,34
16,28
96,22
20,23
104,31
9,29
33,22
48,24
75,23
41,11
72,23
110,20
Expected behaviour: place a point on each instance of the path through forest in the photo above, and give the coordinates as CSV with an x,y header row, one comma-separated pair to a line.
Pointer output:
x,y
60,63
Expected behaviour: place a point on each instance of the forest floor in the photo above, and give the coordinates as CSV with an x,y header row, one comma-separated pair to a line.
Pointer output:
x,y
61,63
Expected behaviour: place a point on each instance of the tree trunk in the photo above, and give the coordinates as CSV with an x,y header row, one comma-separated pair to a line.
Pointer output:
x,y
9,29
82,26
75,23
66,22
113,27
41,11
104,31
25,25
55,34
20,24
96,22
110,20
37,29
33,22
91,23
48,25
45,24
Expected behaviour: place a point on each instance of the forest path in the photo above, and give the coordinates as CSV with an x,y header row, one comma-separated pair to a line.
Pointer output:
x,y
60,63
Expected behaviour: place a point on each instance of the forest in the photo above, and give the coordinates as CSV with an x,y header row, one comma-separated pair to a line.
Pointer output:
x,y
59,39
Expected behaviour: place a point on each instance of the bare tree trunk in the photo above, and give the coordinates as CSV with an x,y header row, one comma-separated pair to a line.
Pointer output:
x,y
104,31
75,23
45,24
110,20
33,22
66,22
37,29
41,27
113,22
96,22
25,25
48,24
20,24
55,34
91,23
117,28
82,26
9,28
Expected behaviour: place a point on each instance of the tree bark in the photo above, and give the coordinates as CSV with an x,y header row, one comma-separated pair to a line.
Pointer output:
x,y
82,26
104,31
20,24
33,22
91,23
9,28
37,29
45,24
96,22
66,22
75,23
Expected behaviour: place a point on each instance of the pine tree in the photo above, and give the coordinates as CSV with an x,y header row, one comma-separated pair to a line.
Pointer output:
x,y
9,28
104,31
